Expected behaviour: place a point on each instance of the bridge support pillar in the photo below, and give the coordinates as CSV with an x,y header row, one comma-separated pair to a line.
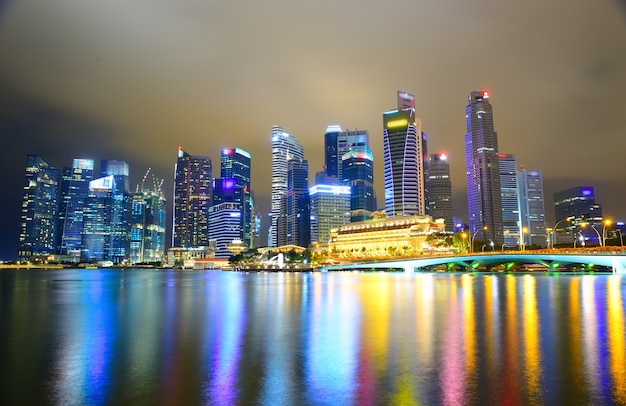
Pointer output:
x,y
618,268
408,269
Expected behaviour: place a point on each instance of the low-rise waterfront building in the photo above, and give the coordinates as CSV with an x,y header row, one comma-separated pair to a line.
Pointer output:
x,y
383,237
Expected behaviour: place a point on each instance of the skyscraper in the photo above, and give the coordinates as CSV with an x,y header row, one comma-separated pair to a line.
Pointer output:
x,y
532,207
440,190
192,199
336,144
578,204
297,226
224,226
74,191
119,220
330,208
235,164
284,148
482,169
96,244
358,173
147,235
511,222
39,209
404,159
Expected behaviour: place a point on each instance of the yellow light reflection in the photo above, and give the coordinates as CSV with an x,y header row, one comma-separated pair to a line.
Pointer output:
x,y
469,324
532,350
575,323
617,338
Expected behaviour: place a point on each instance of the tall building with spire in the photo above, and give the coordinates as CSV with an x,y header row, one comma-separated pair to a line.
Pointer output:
x,y
440,190
284,148
405,160
482,169
39,209
192,199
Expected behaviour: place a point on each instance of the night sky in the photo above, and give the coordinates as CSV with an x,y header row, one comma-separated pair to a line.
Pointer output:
x,y
135,79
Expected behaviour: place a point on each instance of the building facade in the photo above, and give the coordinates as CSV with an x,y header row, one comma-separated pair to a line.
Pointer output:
x,y
224,227
404,150
514,233
284,148
358,173
147,234
440,190
482,169
236,164
578,204
192,199
74,192
330,209
532,207
39,209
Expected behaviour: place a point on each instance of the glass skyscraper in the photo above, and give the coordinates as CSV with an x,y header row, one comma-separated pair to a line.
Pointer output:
x,y
358,173
235,164
482,169
404,150
147,235
330,208
532,207
298,211
511,221
284,148
579,204
74,191
440,190
192,199
39,209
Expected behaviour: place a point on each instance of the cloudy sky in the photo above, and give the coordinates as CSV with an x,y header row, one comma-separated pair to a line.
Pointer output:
x,y
135,79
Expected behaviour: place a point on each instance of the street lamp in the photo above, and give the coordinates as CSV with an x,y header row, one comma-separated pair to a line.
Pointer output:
x,y
474,236
524,230
600,240
463,237
520,243
605,223
554,229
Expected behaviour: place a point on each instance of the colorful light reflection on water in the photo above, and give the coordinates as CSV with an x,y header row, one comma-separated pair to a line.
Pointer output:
x,y
168,337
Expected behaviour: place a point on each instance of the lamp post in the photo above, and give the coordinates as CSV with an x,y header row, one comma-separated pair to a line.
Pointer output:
x,y
524,230
520,242
554,229
474,236
579,237
605,223
463,237
600,240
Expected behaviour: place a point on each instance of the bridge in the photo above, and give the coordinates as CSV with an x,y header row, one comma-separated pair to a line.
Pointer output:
x,y
545,261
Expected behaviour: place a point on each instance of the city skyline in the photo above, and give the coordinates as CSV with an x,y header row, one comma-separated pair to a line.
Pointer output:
x,y
137,92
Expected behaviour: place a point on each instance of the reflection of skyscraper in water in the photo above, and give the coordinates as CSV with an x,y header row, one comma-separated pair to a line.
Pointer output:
x,y
405,159
482,169
284,148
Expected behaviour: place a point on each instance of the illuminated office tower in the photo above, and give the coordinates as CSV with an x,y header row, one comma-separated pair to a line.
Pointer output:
x,y
74,191
192,199
298,211
147,234
119,220
482,170
284,148
404,147
336,144
358,173
579,205
330,208
235,164
39,209
96,238
509,196
440,190
532,207
224,226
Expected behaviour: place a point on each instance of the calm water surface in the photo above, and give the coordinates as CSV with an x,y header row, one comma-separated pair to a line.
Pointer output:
x,y
93,337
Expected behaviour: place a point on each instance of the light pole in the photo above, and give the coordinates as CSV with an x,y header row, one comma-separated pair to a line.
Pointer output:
x,y
605,223
600,240
579,237
474,236
524,230
520,242
463,237
554,230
